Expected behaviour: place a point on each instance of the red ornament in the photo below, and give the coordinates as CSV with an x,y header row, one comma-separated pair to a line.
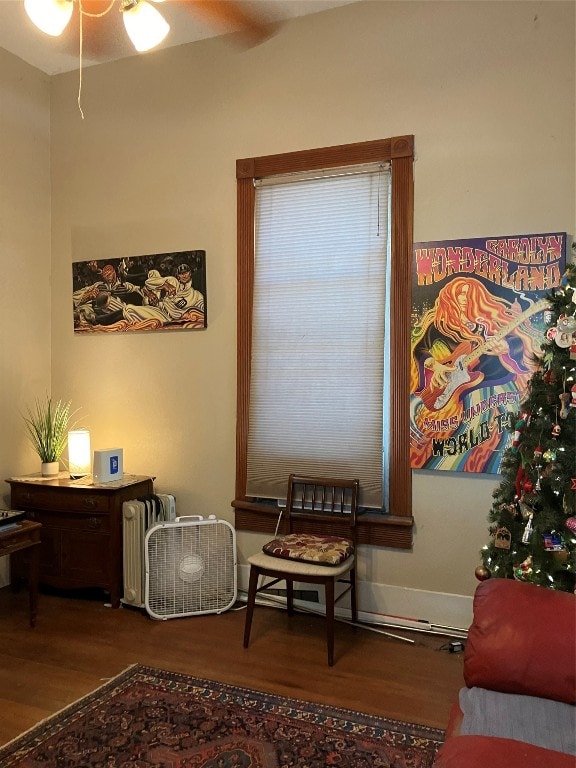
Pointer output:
x,y
519,482
482,573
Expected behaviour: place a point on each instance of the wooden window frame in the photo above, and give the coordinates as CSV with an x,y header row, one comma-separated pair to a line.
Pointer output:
x,y
393,529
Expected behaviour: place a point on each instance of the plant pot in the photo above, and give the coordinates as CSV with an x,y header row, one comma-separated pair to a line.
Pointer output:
x,y
50,468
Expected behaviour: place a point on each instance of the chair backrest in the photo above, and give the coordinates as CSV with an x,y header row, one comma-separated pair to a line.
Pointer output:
x,y
322,504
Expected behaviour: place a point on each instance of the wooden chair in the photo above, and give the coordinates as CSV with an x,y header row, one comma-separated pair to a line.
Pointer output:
x,y
304,555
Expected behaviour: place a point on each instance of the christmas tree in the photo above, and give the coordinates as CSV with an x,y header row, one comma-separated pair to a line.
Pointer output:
x,y
533,515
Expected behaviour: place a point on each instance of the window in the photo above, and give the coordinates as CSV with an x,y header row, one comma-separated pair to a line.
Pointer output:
x,y
362,182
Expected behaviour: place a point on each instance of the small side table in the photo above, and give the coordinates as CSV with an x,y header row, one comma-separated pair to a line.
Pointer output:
x,y
25,536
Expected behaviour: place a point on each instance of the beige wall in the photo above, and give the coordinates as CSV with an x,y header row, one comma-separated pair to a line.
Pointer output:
x,y
24,255
25,258
487,89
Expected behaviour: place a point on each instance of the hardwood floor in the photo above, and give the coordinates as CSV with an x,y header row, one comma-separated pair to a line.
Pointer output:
x,y
78,644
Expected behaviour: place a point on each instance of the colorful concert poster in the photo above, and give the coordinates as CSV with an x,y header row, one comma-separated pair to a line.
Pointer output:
x,y
478,317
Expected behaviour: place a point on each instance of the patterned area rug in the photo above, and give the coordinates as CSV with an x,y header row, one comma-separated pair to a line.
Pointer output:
x,y
149,718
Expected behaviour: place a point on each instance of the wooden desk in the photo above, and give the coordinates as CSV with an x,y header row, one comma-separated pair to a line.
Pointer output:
x,y
25,536
82,528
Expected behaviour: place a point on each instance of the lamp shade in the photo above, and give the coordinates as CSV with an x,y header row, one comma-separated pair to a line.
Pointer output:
x,y
51,16
79,452
146,27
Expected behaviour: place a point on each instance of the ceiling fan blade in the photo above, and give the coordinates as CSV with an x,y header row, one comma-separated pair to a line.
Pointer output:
x,y
104,37
231,16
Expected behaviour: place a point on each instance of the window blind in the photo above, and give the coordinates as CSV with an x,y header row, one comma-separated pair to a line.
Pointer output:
x,y
319,308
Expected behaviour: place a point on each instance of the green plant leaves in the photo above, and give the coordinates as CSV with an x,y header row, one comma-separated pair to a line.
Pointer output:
x,y
47,425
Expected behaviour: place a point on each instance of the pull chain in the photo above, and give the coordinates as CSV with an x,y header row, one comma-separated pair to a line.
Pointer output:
x,y
80,61
93,16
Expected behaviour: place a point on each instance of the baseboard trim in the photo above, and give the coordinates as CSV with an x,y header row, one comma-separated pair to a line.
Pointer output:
x,y
392,606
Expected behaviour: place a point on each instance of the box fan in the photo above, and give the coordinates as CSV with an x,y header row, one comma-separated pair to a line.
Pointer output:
x,y
190,567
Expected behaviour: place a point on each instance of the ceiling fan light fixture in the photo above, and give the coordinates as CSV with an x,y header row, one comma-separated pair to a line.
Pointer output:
x,y
146,27
50,16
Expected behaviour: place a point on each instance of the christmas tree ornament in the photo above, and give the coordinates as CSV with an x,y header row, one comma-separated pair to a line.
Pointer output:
x,y
563,332
525,510
549,455
553,541
567,323
519,482
528,531
503,538
571,524
538,464
551,333
523,572
565,404
573,396
538,485
482,573
511,509
556,429
518,429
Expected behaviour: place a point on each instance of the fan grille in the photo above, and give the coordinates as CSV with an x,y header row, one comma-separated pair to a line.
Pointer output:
x,y
190,568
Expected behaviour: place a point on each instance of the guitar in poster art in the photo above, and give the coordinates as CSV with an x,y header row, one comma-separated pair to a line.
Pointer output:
x,y
460,375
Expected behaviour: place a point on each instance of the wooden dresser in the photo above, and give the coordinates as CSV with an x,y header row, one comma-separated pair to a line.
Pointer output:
x,y
81,528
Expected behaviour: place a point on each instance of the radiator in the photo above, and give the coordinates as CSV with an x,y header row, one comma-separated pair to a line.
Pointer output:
x,y
137,516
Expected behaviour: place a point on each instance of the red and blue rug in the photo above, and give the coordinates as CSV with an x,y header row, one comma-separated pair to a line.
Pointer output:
x,y
150,718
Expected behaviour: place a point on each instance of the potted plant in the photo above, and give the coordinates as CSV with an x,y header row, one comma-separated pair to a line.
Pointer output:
x,y
47,425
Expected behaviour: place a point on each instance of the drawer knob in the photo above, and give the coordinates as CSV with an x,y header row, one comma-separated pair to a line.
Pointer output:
x,y
89,503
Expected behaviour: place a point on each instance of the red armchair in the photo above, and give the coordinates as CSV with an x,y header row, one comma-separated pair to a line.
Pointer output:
x,y
517,710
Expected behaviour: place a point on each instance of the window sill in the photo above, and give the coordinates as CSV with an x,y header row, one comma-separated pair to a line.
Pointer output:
x,y
377,530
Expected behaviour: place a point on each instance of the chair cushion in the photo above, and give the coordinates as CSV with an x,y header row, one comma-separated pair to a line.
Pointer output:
x,y
309,548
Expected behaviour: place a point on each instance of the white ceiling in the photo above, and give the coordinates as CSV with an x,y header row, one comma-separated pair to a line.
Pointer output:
x,y
55,55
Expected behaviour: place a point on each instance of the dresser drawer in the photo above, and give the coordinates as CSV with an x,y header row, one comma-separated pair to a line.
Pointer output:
x,y
79,521
26,497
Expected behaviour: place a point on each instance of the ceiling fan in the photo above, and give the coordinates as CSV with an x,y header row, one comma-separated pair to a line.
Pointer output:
x,y
91,26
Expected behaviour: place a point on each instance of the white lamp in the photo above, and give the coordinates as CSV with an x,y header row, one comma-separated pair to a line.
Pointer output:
x,y
79,452
51,16
146,27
